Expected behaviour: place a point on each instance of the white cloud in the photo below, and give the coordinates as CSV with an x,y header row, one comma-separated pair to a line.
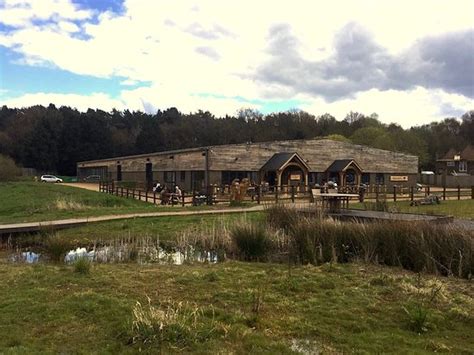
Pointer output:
x,y
185,50
407,108
21,13
81,102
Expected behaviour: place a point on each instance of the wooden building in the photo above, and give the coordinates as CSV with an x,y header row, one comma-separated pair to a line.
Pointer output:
x,y
292,162
456,162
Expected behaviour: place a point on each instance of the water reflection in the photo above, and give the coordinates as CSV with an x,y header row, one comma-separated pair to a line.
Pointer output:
x,y
127,253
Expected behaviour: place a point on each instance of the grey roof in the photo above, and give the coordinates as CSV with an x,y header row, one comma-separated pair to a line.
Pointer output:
x,y
341,165
277,161
318,155
280,159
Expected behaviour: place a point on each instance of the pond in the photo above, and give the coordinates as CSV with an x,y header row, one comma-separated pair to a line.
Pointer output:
x,y
121,253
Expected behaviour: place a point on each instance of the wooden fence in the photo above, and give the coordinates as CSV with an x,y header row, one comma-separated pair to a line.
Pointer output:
x,y
272,194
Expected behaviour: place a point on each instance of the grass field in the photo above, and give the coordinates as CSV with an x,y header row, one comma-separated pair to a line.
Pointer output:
x,y
30,201
229,307
237,308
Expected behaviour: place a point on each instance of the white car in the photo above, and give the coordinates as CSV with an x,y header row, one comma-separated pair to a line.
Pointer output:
x,y
50,178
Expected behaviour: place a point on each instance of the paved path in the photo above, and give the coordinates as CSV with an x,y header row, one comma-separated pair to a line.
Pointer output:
x,y
74,222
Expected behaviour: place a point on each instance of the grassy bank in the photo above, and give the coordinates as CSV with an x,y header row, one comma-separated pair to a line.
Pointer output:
x,y
238,307
166,228
30,201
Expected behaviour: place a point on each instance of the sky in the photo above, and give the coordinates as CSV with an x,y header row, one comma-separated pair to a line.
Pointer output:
x,y
411,62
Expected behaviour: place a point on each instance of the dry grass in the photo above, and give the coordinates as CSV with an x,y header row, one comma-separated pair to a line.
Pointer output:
x,y
68,204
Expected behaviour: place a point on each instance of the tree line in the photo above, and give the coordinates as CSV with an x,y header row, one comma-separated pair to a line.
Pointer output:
x,y
53,140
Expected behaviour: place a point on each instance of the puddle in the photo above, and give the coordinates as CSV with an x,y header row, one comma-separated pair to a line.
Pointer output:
x,y
28,257
126,253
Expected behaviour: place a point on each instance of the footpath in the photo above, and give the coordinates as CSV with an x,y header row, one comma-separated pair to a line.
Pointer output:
x,y
29,227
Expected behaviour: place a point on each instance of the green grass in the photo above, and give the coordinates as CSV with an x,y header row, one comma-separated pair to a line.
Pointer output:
x,y
30,201
244,308
458,209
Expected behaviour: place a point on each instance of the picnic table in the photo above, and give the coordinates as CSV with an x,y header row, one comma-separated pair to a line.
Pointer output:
x,y
333,202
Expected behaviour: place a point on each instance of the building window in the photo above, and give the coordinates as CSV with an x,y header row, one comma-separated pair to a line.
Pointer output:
x,y
463,166
170,176
379,179
450,163
365,178
182,175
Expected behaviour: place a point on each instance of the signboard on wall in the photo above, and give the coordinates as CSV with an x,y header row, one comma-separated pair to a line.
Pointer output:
x,y
398,178
295,177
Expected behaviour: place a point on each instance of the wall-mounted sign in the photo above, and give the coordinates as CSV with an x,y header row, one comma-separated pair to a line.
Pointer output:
x,y
295,177
398,178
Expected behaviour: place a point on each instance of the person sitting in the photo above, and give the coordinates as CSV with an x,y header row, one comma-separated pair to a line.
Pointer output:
x,y
178,191
157,188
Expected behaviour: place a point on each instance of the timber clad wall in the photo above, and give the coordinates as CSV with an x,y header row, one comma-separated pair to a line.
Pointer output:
x,y
319,154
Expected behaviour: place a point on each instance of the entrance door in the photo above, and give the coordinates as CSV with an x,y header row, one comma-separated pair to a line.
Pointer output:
x,y
149,175
119,172
293,176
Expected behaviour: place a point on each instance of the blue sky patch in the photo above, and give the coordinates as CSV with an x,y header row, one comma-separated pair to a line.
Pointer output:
x,y
102,5
18,79
265,106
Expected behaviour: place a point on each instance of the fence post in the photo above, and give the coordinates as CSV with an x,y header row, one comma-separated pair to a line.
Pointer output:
x,y
154,197
127,191
116,191
376,193
293,194
139,195
444,193
133,194
276,194
394,193
411,193
258,193
459,192
146,195
182,197
472,192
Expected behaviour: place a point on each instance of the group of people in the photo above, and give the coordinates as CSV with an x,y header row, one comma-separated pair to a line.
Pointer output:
x,y
168,196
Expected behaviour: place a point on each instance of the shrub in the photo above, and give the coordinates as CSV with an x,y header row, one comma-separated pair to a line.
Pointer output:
x,y
251,241
9,171
82,266
56,247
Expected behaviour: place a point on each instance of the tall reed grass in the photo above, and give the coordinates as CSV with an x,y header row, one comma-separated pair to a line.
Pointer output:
x,y
433,248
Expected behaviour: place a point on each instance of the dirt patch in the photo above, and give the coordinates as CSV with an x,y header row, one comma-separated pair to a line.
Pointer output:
x,y
93,186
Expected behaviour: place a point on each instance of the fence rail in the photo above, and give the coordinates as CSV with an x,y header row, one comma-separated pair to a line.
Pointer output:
x,y
268,194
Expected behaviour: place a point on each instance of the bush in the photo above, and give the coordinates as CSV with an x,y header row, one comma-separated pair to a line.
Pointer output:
x,y
8,171
251,241
56,247
82,266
